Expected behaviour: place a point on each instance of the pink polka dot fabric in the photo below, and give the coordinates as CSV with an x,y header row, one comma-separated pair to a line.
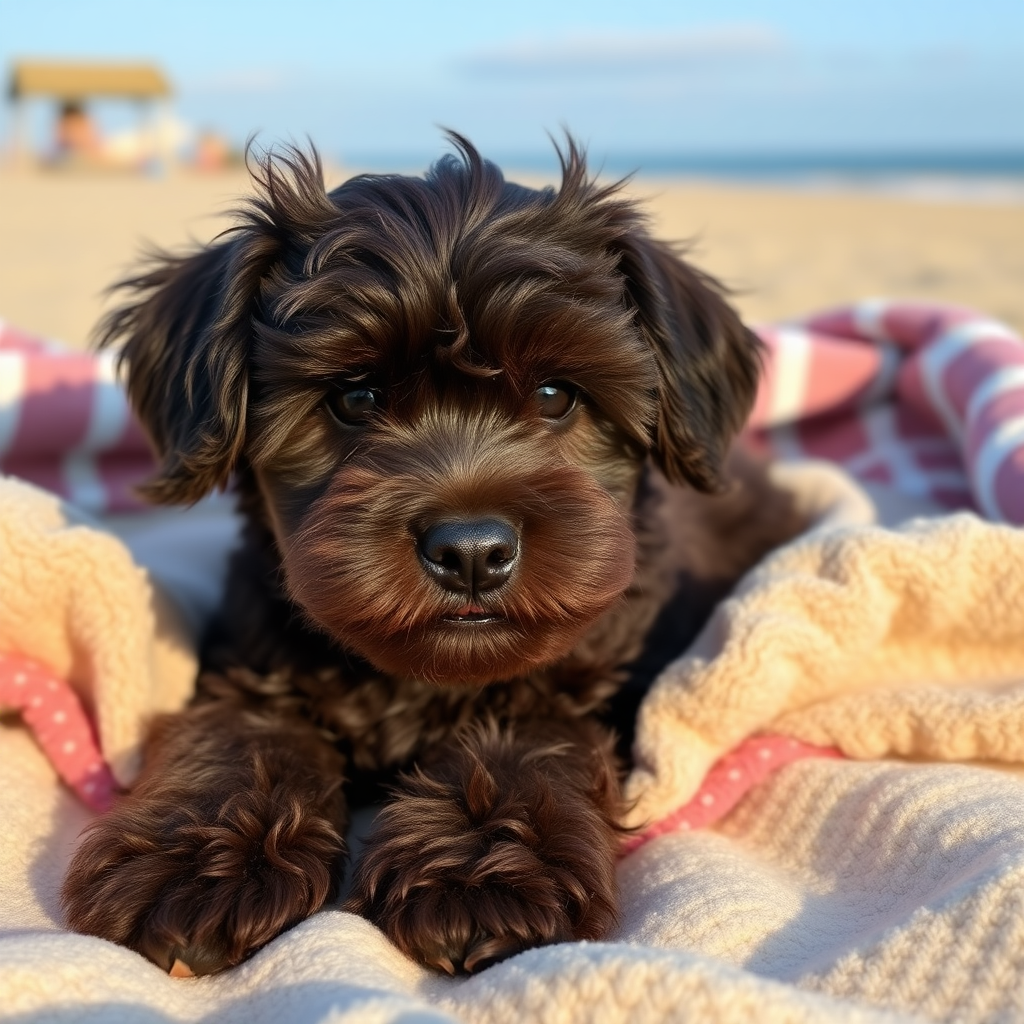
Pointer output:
x,y
52,711
54,714
728,781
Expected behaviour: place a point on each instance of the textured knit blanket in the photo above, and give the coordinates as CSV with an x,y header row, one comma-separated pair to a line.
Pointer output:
x,y
883,885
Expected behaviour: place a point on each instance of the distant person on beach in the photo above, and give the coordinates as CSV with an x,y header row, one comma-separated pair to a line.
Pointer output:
x,y
76,135
212,152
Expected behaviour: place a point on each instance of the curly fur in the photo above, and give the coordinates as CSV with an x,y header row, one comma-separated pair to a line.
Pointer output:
x,y
494,850
338,662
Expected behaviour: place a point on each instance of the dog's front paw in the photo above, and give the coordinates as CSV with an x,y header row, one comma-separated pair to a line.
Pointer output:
x,y
202,886
462,874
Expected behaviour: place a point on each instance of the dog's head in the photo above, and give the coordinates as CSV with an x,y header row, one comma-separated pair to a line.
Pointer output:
x,y
446,389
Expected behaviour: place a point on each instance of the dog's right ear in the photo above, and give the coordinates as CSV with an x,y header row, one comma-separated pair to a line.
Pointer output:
x,y
186,336
188,328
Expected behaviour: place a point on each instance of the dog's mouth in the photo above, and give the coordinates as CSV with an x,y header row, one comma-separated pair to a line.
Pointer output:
x,y
472,614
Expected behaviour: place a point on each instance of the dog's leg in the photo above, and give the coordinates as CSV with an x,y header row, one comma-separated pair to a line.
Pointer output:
x,y
506,840
232,834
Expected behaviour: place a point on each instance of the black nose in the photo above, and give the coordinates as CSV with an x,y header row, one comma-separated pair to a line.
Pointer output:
x,y
470,555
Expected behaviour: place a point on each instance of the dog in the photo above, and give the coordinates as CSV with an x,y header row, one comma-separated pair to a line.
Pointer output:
x,y
480,434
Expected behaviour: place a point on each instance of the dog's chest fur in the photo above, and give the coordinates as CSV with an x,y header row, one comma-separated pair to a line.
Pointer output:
x,y
264,653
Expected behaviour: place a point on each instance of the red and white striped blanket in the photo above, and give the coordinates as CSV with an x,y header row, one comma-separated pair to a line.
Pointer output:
x,y
926,399
65,424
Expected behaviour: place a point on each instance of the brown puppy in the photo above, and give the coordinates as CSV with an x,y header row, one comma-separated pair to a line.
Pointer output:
x,y
468,424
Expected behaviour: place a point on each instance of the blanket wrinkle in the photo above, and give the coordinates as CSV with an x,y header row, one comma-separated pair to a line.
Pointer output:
x,y
877,878
851,638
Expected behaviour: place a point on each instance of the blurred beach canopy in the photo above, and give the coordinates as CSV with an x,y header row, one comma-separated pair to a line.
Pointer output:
x,y
76,81
78,141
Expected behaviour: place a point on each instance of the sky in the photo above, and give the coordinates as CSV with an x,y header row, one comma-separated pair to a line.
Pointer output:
x,y
371,81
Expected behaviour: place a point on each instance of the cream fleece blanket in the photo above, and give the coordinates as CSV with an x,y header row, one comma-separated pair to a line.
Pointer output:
x,y
72,596
887,888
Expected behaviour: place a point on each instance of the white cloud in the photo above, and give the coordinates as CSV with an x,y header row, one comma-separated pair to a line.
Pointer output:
x,y
626,53
241,80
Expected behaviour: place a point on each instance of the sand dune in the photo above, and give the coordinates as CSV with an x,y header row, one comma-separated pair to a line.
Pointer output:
x,y
64,238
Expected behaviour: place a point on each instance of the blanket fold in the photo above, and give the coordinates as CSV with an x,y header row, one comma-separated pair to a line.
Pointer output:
x,y
72,597
904,642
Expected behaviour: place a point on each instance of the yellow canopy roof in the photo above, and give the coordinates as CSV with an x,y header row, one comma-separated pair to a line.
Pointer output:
x,y
78,81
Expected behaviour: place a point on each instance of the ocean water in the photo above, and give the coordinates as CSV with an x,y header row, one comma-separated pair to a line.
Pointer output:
x,y
966,176
994,177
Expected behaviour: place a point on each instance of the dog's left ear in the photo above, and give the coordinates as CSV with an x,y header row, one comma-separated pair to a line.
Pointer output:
x,y
708,362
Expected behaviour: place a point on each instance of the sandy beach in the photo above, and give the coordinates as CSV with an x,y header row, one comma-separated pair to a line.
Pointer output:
x,y
65,237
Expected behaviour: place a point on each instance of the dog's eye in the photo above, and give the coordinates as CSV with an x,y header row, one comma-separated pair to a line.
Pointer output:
x,y
555,400
354,405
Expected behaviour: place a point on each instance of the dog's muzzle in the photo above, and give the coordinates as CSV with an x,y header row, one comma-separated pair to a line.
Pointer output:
x,y
468,556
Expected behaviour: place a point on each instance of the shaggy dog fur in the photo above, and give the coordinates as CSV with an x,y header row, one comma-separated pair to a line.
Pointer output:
x,y
469,424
